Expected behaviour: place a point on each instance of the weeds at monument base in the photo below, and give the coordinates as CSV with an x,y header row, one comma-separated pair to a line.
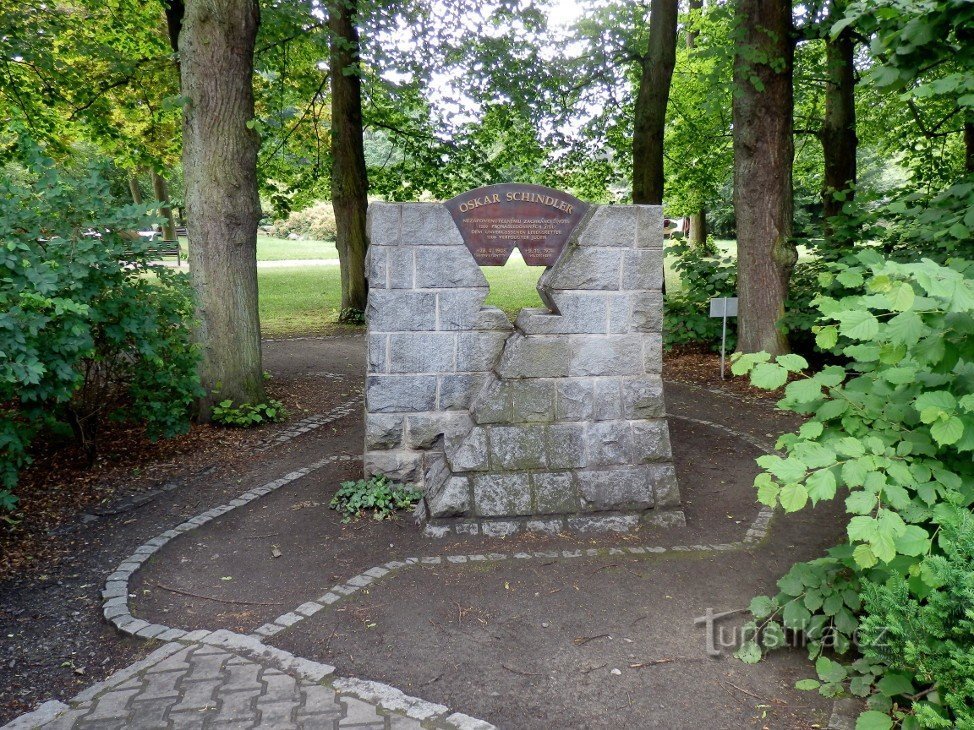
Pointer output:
x,y
377,495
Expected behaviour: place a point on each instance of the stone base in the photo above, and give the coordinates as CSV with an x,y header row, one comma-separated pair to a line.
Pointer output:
x,y
555,524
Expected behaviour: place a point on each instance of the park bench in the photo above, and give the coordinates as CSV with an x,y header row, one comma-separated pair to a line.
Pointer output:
x,y
161,249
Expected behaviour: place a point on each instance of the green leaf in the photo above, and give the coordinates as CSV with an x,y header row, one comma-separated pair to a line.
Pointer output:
x,y
821,485
947,432
803,391
848,446
749,653
905,328
859,324
793,497
827,337
873,720
791,362
861,503
769,376
894,684
795,616
761,607
864,556
853,473
901,297
807,684
830,671
913,541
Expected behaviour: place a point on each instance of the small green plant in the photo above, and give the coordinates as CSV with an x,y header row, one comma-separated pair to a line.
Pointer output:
x,y
248,415
704,273
376,494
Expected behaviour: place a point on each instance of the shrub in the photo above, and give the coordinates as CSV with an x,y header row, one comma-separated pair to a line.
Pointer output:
x,y
317,222
376,494
89,329
892,426
248,415
704,273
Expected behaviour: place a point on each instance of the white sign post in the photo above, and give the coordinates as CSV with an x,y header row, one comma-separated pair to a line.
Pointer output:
x,y
723,307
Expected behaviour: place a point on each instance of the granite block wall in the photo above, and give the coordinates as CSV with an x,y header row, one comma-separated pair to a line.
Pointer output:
x,y
557,421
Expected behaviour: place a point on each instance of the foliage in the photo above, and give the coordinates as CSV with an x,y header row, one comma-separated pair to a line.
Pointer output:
x,y
376,494
704,273
248,415
891,425
317,222
88,327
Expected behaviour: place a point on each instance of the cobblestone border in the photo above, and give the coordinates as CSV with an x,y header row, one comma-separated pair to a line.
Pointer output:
x,y
308,424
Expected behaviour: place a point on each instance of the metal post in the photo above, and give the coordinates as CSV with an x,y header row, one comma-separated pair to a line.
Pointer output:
x,y
723,342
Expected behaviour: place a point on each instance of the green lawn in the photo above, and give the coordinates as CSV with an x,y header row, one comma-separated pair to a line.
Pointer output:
x,y
280,249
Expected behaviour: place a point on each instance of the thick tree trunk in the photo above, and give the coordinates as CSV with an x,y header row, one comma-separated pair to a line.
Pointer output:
x,y
698,228
838,136
651,100
695,6
135,189
216,47
349,179
161,190
763,156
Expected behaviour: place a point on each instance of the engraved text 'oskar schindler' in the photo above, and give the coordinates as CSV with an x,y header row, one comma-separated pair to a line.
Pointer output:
x,y
531,218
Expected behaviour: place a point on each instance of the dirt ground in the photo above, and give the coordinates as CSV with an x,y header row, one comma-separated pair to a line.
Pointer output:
x,y
225,576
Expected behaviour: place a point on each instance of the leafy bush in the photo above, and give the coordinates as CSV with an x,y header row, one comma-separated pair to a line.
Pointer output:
x,y
704,273
377,494
317,222
893,427
248,415
89,329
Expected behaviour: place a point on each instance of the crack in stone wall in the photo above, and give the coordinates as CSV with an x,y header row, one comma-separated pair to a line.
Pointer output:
x,y
557,419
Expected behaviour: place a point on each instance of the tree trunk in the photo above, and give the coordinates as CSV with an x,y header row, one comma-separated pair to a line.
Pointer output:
x,y
135,189
161,191
763,157
838,135
695,5
216,47
698,228
651,100
349,179
969,146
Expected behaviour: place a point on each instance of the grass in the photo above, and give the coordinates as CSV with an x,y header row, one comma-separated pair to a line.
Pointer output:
x,y
280,249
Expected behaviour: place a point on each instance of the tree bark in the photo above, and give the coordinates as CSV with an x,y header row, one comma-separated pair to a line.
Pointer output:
x,y
135,189
216,47
698,228
763,158
349,179
651,101
161,190
839,141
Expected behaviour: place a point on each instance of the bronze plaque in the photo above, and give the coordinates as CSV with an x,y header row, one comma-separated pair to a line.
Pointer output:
x,y
531,218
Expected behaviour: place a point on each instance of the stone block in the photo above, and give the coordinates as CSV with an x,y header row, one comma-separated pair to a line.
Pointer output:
x,y
468,452
586,268
627,487
447,268
376,267
382,223
566,446
377,349
517,447
642,397
619,306
649,226
533,400
492,318
383,431
609,443
647,312
401,310
608,399
421,431
665,489
575,400
399,465
400,393
458,309
429,224
611,226
501,495
493,404
652,440
457,391
422,352
541,356
554,493
642,269
603,523
451,499
578,313
610,355
653,353
401,268
479,352
499,528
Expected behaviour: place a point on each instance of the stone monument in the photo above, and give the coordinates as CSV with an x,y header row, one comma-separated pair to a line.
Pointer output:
x,y
554,423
